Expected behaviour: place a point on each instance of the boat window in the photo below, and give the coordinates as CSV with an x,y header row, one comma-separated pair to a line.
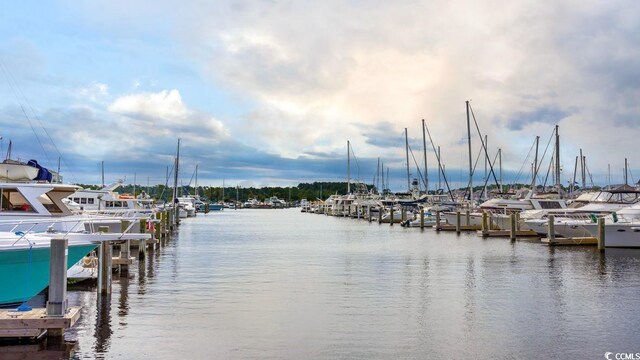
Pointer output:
x,y
76,200
48,204
602,197
550,205
12,200
83,200
90,201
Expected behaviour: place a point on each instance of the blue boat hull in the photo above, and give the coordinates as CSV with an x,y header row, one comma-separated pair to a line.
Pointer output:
x,y
22,278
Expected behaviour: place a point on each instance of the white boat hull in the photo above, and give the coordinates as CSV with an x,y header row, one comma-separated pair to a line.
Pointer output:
x,y
618,235
17,172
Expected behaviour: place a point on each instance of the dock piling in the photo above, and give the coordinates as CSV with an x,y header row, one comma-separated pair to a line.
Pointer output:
x,y
125,248
57,304
437,220
601,236
422,218
391,216
551,231
142,244
485,223
513,228
104,264
458,225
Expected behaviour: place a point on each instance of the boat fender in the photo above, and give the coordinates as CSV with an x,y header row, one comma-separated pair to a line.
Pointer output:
x,y
615,217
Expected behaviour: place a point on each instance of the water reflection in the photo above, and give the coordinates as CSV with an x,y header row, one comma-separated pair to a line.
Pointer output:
x,y
102,328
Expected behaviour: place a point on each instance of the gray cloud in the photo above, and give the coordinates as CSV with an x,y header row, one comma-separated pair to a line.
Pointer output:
x,y
546,115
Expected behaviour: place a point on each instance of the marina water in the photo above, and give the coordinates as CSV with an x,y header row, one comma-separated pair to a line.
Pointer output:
x,y
274,284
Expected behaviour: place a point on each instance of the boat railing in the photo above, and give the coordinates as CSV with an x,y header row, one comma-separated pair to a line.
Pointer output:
x,y
50,222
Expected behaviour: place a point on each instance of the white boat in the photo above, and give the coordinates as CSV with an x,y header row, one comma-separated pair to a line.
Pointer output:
x,y
11,170
625,235
568,222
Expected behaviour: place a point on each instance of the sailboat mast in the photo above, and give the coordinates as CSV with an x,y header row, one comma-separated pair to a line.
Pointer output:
x,y
348,167
535,167
424,146
582,172
102,173
378,176
558,181
470,155
134,184
626,172
439,171
486,151
406,148
500,162
175,183
195,190
223,190
382,173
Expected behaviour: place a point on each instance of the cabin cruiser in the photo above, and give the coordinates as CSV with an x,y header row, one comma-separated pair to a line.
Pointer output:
x,y
567,222
501,208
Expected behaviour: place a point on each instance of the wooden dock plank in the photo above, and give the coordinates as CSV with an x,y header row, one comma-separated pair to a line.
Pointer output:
x,y
37,319
581,241
506,233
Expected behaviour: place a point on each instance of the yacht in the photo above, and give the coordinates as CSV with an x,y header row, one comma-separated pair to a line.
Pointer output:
x,y
589,206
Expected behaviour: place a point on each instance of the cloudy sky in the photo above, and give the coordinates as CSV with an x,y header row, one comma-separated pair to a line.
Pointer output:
x,y
269,92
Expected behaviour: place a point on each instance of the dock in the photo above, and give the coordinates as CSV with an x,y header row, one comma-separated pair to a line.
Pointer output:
x,y
507,233
576,241
33,323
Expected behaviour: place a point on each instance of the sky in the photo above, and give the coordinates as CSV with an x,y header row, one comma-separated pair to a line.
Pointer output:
x,y
269,92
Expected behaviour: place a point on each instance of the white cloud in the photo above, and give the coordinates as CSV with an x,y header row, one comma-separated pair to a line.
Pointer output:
x,y
165,105
93,92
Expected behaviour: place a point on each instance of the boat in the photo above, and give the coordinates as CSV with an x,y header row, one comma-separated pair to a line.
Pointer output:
x,y
567,222
24,258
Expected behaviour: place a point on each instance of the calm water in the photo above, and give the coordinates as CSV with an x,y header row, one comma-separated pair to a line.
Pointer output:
x,y
284,284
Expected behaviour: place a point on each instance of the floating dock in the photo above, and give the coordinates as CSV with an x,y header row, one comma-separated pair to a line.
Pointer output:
x,y
576,241
33,323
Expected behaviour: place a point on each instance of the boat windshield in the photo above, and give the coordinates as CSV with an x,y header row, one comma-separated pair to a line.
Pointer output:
x,y
617,197
13,200
51,206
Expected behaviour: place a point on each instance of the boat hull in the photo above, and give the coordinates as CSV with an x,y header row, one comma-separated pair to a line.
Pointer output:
x,y
21,279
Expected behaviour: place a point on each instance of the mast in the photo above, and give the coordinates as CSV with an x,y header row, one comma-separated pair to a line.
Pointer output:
x,y
486,175
134,184
535,168
222,190
439,172
626,172
500,162
608,174
195,190
102,173
348,167
575,171
558,181
58,169
582,172
378,176
406,148
424,146
470,155
235,207
382,172
175,183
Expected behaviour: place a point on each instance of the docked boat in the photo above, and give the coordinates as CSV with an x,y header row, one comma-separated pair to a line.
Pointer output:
x,y
568,222
24,257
